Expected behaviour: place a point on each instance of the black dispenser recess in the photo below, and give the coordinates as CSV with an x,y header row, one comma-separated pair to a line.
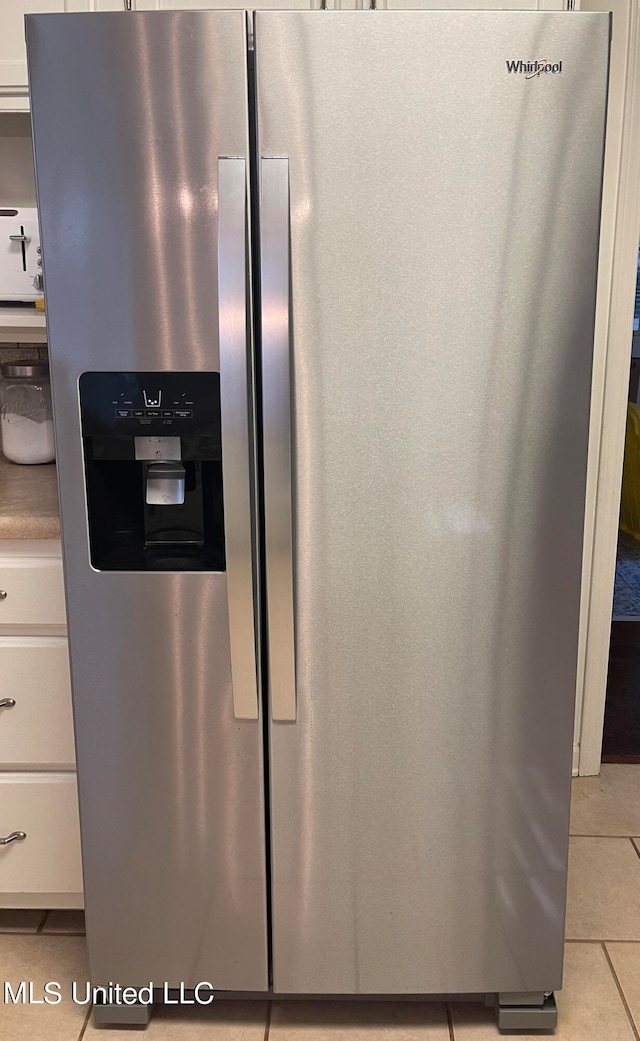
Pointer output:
x,y
153,470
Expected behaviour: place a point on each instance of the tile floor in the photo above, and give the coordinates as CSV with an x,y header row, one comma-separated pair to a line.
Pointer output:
x,y
600,1000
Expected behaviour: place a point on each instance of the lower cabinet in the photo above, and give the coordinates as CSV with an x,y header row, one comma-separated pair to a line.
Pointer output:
x,y
36,723
31,589
43,869
40,863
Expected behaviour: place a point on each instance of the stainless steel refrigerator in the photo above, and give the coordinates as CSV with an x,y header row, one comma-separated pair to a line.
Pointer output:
x,y
320,294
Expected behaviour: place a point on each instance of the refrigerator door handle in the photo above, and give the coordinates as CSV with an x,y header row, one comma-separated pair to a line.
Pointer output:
x,y
234,401
276,406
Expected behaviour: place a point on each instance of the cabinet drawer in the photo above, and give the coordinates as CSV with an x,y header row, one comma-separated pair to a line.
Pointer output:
x,y
45,807
37,731
33,592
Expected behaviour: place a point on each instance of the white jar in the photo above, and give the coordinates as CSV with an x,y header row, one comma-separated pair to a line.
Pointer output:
x,y
26,417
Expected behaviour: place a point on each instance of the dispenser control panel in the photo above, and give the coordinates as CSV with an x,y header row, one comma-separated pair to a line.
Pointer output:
x,y
153,470
180,406
130,404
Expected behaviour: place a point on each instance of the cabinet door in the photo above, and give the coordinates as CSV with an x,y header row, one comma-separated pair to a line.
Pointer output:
x,y
46,863
33,598
13,59
36,726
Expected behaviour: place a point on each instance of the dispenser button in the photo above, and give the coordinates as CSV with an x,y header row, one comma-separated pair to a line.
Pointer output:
x,y
152,413
165,484
123,413
138,413
167,413
183,413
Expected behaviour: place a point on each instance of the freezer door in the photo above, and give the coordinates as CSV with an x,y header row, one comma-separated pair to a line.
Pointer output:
x,y
141,143
429,222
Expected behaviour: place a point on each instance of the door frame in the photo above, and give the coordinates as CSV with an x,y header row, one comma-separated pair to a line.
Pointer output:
x,y
619,240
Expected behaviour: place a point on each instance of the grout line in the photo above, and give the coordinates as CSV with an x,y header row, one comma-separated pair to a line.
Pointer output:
x,y
450,1022
267,1021
566,940
634,843
86,1023
42,923
607,940
621,992
579,835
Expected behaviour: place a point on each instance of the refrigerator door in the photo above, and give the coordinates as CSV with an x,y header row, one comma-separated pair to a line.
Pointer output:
x,y
141,143
426,407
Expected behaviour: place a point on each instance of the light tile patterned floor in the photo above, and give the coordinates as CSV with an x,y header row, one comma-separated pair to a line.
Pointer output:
x,y
600,1000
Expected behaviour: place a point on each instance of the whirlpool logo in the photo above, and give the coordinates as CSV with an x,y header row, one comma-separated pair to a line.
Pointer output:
x,y
531,69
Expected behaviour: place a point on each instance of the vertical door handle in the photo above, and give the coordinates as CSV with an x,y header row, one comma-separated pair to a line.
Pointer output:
x,y
234,402
276,410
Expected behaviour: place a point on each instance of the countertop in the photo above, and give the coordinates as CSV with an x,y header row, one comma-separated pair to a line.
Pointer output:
x,y
28,501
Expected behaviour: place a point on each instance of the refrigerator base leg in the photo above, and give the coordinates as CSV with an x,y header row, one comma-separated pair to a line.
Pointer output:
x,y
121,1015
528,1014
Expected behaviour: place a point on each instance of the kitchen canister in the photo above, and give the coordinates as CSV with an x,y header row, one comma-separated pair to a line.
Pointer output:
x,y
26,418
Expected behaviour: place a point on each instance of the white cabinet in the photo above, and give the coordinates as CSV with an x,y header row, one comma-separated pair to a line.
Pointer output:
x,y
44,868
13,58
36,723
31,593
38,794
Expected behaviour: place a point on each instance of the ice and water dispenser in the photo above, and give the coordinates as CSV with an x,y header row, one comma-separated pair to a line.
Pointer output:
x,y
153,470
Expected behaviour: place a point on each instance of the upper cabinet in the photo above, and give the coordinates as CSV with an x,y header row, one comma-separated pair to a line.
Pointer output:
x,y
14,95
13,58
